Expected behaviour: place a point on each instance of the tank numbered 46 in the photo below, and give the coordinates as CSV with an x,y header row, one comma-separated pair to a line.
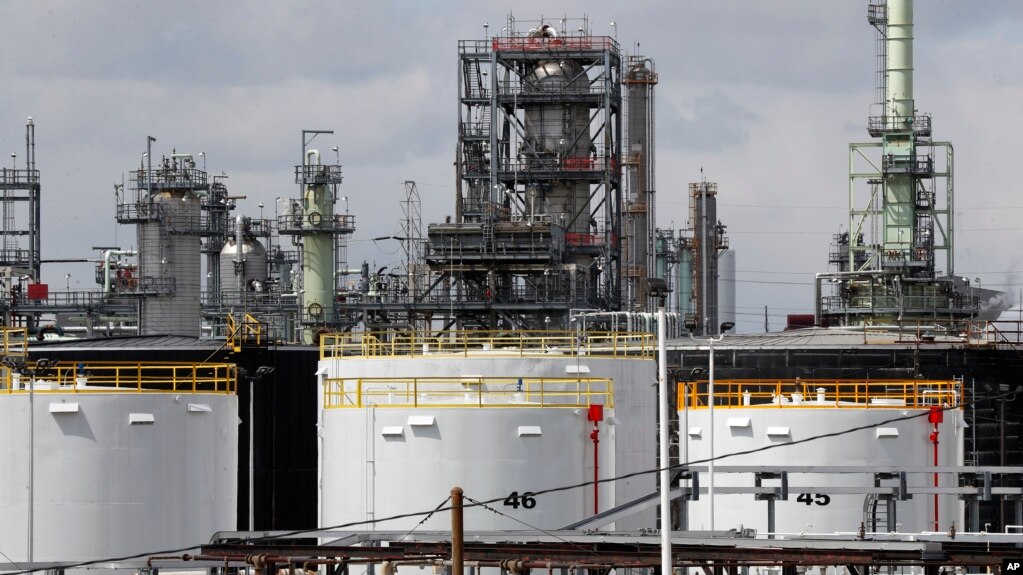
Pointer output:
x,y
811,498
525,499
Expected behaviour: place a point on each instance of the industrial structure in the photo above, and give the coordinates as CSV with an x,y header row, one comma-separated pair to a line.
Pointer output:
x,y
865,364
895,260
538,219
20,226
511,352
554,220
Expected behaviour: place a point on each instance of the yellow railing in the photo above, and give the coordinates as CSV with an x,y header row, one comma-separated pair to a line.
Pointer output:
x,y
809,393
249,330
467,391
497,343
15,341
107,377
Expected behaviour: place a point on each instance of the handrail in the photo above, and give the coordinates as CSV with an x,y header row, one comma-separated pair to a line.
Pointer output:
x,y
816,393
250,330
467,391
15,341
125,377
484,343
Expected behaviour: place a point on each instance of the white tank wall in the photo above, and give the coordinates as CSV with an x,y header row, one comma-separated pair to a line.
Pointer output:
x,y
106,488
365,473
862,448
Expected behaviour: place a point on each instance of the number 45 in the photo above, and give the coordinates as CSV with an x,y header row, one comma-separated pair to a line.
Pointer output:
x,y
818,498
526,500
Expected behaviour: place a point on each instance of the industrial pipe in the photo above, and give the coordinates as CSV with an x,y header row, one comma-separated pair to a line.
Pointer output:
x,y
314,155
107,255
935,417
664,464
239,236
457,565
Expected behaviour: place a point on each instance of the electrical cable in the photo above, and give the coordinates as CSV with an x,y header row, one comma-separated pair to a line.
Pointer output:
x,y
590,550
425,519
11,561
558,489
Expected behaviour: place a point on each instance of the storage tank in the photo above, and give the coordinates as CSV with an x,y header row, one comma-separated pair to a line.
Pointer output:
x,y
243,265
749,415
107,460
500,416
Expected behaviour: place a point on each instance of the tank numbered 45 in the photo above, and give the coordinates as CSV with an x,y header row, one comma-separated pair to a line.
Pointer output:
x,y
526,499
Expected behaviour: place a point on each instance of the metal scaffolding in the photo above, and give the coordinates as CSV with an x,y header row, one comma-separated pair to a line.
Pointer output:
x,y
895,263
538,206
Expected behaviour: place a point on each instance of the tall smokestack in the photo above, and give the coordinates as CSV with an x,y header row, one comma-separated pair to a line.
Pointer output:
x,y
900,59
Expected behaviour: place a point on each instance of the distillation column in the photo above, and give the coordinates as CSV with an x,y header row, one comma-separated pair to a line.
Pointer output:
x,y
557,137
317,246
639,168
166,209
707,241
899,146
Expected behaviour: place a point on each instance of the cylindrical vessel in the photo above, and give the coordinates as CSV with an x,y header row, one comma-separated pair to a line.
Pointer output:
x,y
490,429
243,269
317,253
821,502
560,135
169,264
638,96
900,60
704,218
116,474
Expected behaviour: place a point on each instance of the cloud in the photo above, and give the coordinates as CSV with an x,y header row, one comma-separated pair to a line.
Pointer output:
x,y
710,123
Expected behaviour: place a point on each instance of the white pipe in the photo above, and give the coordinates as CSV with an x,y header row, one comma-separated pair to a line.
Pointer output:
x,y
710,404
239,260
665,464
107,256
315,158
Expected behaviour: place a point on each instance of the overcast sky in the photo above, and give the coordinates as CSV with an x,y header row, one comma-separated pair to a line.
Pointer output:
x,y
764,96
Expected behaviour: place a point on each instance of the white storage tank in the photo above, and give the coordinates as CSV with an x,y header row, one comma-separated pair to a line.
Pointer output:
x,y
749,415
106,460
403,423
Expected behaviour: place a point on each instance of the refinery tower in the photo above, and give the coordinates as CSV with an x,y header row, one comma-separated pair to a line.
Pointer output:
x,y
895,259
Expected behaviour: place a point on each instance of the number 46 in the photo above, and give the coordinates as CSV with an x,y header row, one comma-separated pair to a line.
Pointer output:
x,y
526,500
